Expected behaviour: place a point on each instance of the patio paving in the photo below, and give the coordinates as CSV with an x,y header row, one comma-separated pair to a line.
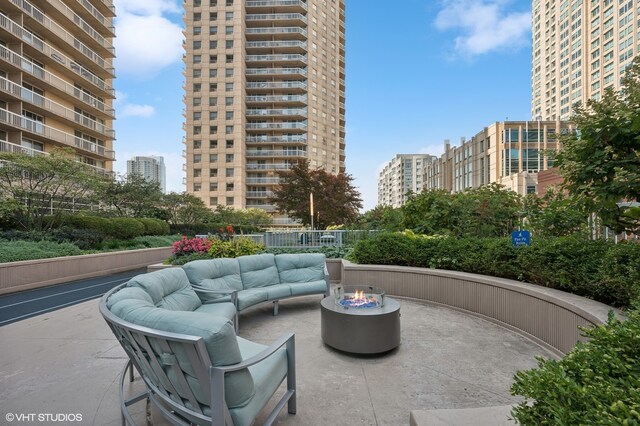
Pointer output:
x,y
68,362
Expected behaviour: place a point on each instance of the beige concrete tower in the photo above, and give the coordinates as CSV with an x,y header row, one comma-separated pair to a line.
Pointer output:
x,y
264,89
56,73
579,49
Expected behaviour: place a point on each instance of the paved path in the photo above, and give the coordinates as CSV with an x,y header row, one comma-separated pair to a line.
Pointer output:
x,y
68,362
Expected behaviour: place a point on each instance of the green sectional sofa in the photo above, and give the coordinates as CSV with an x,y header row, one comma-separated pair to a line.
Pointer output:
x,y
196,370
248,280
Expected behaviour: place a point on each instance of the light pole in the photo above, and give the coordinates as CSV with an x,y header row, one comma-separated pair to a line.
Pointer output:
x,y
311,207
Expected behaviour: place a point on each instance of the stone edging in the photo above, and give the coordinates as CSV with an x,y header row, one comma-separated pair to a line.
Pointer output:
x,y
30,274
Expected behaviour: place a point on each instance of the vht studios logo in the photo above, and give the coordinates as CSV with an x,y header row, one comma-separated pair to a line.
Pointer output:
x,y
43,417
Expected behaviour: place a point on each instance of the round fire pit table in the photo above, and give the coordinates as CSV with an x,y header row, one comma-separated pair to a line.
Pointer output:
x,y
354,323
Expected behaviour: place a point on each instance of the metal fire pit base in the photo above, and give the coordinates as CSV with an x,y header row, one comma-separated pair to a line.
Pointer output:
x,y
361,330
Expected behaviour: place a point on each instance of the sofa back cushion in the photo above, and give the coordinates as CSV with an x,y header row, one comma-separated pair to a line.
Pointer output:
x,y
258,270
300,268
214,274
218,335
168,288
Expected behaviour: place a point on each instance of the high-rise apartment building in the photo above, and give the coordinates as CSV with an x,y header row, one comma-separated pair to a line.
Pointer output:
x,y
401,175
264,89
56,73
151,168
579,49
510,153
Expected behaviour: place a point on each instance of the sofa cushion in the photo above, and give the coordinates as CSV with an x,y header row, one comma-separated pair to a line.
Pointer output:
x,y
129,293
219,339
214,274
313,287
222,309
253,296
268,375
258,270
278,291
169,289
299,268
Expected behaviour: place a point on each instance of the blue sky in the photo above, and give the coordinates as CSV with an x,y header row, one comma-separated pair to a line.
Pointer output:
x,y
417,73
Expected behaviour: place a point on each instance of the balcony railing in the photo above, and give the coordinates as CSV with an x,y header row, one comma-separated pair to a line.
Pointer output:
x,y
106,22
293,57
276,98
277,30
283,166
277,17
259,194
265,207
27,95
19,149
280,125
52,26
262,180
276,139
276,44
277,153
276,112
36,127
276,71
38,72
276,3
276,85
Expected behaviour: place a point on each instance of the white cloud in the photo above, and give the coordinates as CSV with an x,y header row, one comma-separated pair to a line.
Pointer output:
x,y
486,25
146,39
172,161
133,110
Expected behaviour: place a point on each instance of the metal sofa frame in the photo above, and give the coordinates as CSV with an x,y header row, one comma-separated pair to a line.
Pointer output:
x,y
137,343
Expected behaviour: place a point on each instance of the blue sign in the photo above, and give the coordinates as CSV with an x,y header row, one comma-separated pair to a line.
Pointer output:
x,y
521,238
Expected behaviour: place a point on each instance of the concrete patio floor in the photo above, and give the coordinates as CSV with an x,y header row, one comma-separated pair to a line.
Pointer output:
x,y
68,362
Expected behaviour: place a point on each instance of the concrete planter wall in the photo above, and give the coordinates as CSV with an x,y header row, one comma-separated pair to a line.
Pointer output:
x,y
547,316
29,274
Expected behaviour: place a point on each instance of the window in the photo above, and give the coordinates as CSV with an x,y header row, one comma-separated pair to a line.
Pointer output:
x,y
197,186
213,143
228,29
197,59
197,44
213,16
228,44
213,172
197,158
229,201
213,101
197,144
213,30
197,115
229,158
197,30
229,130
213,115
229,3
213,44
229,115
229,143
197,172
197,16
228,100
197,3
213,186
197,73
229,186
213,158
197,101
229,172
213,59
213,73
196,87
228,72
213,201
213,87
228,87
228,16
213,130
197,130
229,59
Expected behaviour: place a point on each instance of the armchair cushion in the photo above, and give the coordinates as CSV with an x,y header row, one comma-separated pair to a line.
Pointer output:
x,y
253,296
214,274
313,287
296,268
258,270
222,309
169,289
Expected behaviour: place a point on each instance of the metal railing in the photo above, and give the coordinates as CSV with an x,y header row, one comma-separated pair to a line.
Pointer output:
x,y
283,57
276,17
276,3
256,112
277,139
307,238
276,43
279,125
277,30
276,85
276,71
276,98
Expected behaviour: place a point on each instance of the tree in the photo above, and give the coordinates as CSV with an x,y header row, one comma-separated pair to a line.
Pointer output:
x,y
554,215
183,208
600,163
335,199
47,185
381,217
131,195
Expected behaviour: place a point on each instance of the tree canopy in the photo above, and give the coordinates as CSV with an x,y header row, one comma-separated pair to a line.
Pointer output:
x,y
130,195
336,201
600,163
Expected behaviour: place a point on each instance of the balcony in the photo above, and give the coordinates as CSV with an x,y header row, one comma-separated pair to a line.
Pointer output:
x,y
19,149
289,72
275,85
66,90
278,45
280,153
276,99
281,18
299,112
53,29
275,32
281,5
259,194
260,139
291,58
284,125
265,207
280,166
262,180
46,132
60,111
95,17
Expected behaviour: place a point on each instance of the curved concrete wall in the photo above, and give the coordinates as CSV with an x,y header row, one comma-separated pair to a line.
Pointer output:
x,y
29,274
547,316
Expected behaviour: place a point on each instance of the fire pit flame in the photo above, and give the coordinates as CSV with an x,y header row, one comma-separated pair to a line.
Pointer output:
x,y
358,298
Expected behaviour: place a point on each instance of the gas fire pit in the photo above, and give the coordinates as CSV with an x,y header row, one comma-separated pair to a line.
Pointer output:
x,y
361,320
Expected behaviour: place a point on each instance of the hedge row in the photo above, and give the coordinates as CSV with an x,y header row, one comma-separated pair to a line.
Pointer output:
x,y
600,270
117,227
211,228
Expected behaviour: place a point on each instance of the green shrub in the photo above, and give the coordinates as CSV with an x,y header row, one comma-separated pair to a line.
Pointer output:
x,y
86,239
234,248
330,252
126,228
386,249
146,241
13,251
154,226
181,260
597,383
83,221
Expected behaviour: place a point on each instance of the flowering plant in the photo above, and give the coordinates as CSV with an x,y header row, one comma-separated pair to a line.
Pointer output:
x,y
187,246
